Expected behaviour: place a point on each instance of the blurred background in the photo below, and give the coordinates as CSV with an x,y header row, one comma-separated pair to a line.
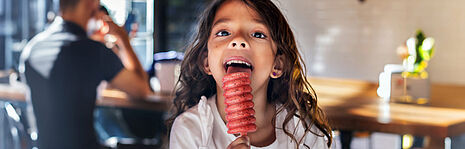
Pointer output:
x,y
163,25
347,46
355,39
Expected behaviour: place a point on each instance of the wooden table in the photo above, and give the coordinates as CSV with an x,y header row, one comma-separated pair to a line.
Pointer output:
x,y
354,105
349,105
109,98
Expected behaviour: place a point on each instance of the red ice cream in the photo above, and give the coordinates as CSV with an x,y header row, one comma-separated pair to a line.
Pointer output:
x,y
238,100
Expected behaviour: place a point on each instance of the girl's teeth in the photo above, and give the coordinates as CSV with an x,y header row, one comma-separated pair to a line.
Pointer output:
x,y
237,62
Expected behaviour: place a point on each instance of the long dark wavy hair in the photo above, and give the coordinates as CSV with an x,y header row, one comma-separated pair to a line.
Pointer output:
x,y
292,89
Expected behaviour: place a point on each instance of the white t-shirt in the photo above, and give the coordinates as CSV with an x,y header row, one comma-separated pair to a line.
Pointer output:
x,y
202,127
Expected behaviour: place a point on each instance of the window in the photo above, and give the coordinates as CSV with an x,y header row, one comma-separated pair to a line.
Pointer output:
x,y
136,14
175,23
20,20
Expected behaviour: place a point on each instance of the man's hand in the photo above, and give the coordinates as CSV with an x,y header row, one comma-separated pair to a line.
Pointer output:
x,y
111,28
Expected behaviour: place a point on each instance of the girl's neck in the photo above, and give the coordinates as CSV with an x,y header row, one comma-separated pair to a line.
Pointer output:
x,y
264,113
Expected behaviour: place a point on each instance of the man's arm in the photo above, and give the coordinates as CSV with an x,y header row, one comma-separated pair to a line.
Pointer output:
x,y
133,79
131,83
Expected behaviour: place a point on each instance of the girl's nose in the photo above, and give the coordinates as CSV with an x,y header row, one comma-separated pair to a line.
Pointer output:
x,y
238,43
241,45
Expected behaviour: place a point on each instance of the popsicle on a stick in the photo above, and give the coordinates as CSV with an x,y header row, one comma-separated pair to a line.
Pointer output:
x,y
238,99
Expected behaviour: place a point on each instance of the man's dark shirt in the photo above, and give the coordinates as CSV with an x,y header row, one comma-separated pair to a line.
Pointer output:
x,y
63,68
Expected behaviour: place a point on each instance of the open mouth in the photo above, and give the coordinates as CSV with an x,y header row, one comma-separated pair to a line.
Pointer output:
x,y
232,66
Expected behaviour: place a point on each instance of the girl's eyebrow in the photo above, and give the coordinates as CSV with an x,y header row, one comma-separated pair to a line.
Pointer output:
x,y
223,20
260,21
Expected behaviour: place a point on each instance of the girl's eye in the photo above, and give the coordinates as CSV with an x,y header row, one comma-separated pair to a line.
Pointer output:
x,y
258,35
223,33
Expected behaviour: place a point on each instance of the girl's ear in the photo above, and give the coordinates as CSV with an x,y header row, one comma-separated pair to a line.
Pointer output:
x,y
278,65
206,67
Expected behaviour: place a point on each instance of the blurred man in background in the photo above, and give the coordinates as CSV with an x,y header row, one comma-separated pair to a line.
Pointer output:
x,y
63,67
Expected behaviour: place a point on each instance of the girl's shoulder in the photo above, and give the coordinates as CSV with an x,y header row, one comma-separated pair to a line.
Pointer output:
x,y
195,116
192,127
315,138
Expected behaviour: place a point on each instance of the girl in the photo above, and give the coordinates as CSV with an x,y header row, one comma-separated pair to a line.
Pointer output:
x,y
286,111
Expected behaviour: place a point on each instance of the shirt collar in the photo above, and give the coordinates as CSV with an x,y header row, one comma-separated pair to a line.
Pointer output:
x,y
74,28
68,26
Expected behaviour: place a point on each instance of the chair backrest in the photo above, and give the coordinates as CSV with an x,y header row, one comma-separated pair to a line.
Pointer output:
x,y
14,133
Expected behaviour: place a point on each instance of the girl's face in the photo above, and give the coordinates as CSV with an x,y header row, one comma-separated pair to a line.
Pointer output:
x,y
239,33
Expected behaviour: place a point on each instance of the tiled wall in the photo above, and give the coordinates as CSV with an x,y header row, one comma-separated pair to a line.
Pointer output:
x,y
350,39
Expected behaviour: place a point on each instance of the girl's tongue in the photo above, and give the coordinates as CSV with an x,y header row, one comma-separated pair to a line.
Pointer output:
x,y
233,69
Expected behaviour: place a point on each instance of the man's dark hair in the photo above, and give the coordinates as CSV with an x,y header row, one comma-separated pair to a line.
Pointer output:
x,y
68,4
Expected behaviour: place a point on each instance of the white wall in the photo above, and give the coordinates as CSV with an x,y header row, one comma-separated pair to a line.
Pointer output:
x,y
349,39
